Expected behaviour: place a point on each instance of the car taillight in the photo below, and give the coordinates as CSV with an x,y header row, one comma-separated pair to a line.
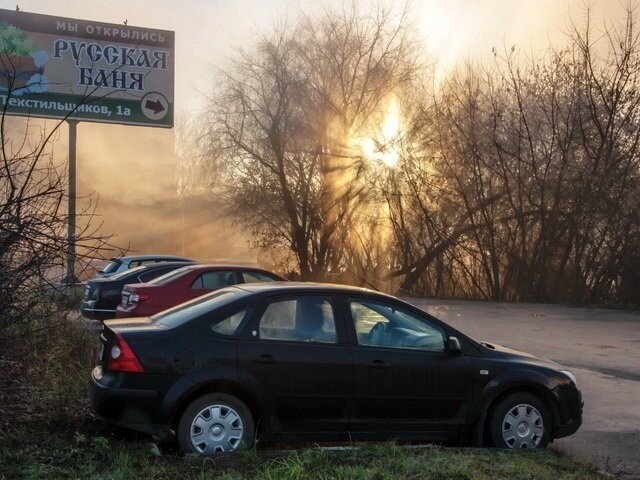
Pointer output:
x,y
138,297
122,358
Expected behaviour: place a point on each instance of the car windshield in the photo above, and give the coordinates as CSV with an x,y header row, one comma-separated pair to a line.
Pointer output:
x,y
185,312
126,273
112,266
169,277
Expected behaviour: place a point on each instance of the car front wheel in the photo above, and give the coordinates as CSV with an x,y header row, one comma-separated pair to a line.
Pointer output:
x,y
520,420
215,423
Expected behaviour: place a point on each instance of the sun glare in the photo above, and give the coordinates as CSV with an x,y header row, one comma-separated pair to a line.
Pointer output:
x,y
384,145
391,133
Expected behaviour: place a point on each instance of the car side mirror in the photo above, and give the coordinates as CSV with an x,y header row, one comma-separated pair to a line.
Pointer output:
x,y
453,346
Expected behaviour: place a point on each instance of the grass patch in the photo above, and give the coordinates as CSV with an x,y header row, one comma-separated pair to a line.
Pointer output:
x,y
97,451
44,376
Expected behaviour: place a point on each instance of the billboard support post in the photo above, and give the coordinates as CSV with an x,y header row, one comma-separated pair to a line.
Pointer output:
x,y
71,210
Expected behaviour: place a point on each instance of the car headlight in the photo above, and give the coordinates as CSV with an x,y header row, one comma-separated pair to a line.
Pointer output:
x,y
571,376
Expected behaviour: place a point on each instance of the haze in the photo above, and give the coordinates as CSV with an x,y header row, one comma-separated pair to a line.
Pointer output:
x,y
133,169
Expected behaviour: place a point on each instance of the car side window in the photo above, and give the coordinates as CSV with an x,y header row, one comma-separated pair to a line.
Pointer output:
x,y
255,277
214,280
229,325
303,319
381,325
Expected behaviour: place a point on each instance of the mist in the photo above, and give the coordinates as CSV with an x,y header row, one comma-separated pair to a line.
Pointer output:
x,y
130,176
132,172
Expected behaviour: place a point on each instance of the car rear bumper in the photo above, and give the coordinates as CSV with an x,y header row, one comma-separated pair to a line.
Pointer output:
x,y
127,407
88,310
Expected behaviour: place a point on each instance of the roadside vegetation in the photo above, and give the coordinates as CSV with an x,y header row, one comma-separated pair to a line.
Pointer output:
x,y
93,451
103,458
43,377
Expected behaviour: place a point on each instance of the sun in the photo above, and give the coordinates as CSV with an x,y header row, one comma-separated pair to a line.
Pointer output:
x,y
391,134
384,144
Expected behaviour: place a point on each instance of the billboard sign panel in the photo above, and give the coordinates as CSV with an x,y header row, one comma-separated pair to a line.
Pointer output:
x,y
57,67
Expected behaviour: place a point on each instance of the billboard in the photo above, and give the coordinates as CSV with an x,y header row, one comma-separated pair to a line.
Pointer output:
x,y
58,67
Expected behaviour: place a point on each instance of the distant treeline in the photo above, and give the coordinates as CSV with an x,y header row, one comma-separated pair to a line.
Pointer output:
x,y
517,180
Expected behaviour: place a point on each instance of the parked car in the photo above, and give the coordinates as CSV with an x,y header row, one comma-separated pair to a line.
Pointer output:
x,y
319,362
102,295
145,299
122,264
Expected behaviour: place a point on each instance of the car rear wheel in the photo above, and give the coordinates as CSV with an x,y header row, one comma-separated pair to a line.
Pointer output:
x,y
215,423
520,420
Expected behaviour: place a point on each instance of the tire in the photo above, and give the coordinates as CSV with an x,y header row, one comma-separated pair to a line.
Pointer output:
x,y
521,420
222,422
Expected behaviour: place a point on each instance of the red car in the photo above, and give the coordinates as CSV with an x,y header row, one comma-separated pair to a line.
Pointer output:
x,y
183,284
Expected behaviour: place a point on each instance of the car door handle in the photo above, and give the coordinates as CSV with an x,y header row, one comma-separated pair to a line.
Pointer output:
x,y
379,364
266,358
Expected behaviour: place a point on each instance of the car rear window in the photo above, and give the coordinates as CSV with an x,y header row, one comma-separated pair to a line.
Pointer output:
x,y
169,277
185,312
127,273
215,279
153,273
253,276
112,266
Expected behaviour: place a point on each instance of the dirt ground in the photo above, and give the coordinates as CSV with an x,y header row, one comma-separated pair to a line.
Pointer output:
x,y
601,347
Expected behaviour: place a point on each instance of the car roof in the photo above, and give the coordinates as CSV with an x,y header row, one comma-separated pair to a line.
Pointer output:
x,y
284,287
207,266
151,257
167,264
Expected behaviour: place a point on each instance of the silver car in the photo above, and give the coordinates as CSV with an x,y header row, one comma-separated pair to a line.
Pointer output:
x,y
121,264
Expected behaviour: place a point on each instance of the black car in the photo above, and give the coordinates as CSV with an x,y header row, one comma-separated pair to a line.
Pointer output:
x,y
102,295
317,362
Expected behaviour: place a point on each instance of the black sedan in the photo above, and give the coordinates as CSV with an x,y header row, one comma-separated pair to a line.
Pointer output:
x,y
103,295
286,361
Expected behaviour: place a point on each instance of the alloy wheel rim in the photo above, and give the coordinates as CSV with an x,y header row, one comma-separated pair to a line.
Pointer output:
x,y
216,429
522,427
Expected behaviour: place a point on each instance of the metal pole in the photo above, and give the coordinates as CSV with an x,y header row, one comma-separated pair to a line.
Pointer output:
x,y
71,221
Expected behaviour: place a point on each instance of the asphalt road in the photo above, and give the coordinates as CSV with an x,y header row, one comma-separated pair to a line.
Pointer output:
x,y
601,347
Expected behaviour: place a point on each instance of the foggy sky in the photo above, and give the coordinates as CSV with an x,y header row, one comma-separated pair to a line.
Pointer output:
x,y
135,166
208,30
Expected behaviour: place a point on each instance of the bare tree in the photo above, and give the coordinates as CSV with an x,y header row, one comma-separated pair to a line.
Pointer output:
x,y
283,125
514,181
33,219
534,171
